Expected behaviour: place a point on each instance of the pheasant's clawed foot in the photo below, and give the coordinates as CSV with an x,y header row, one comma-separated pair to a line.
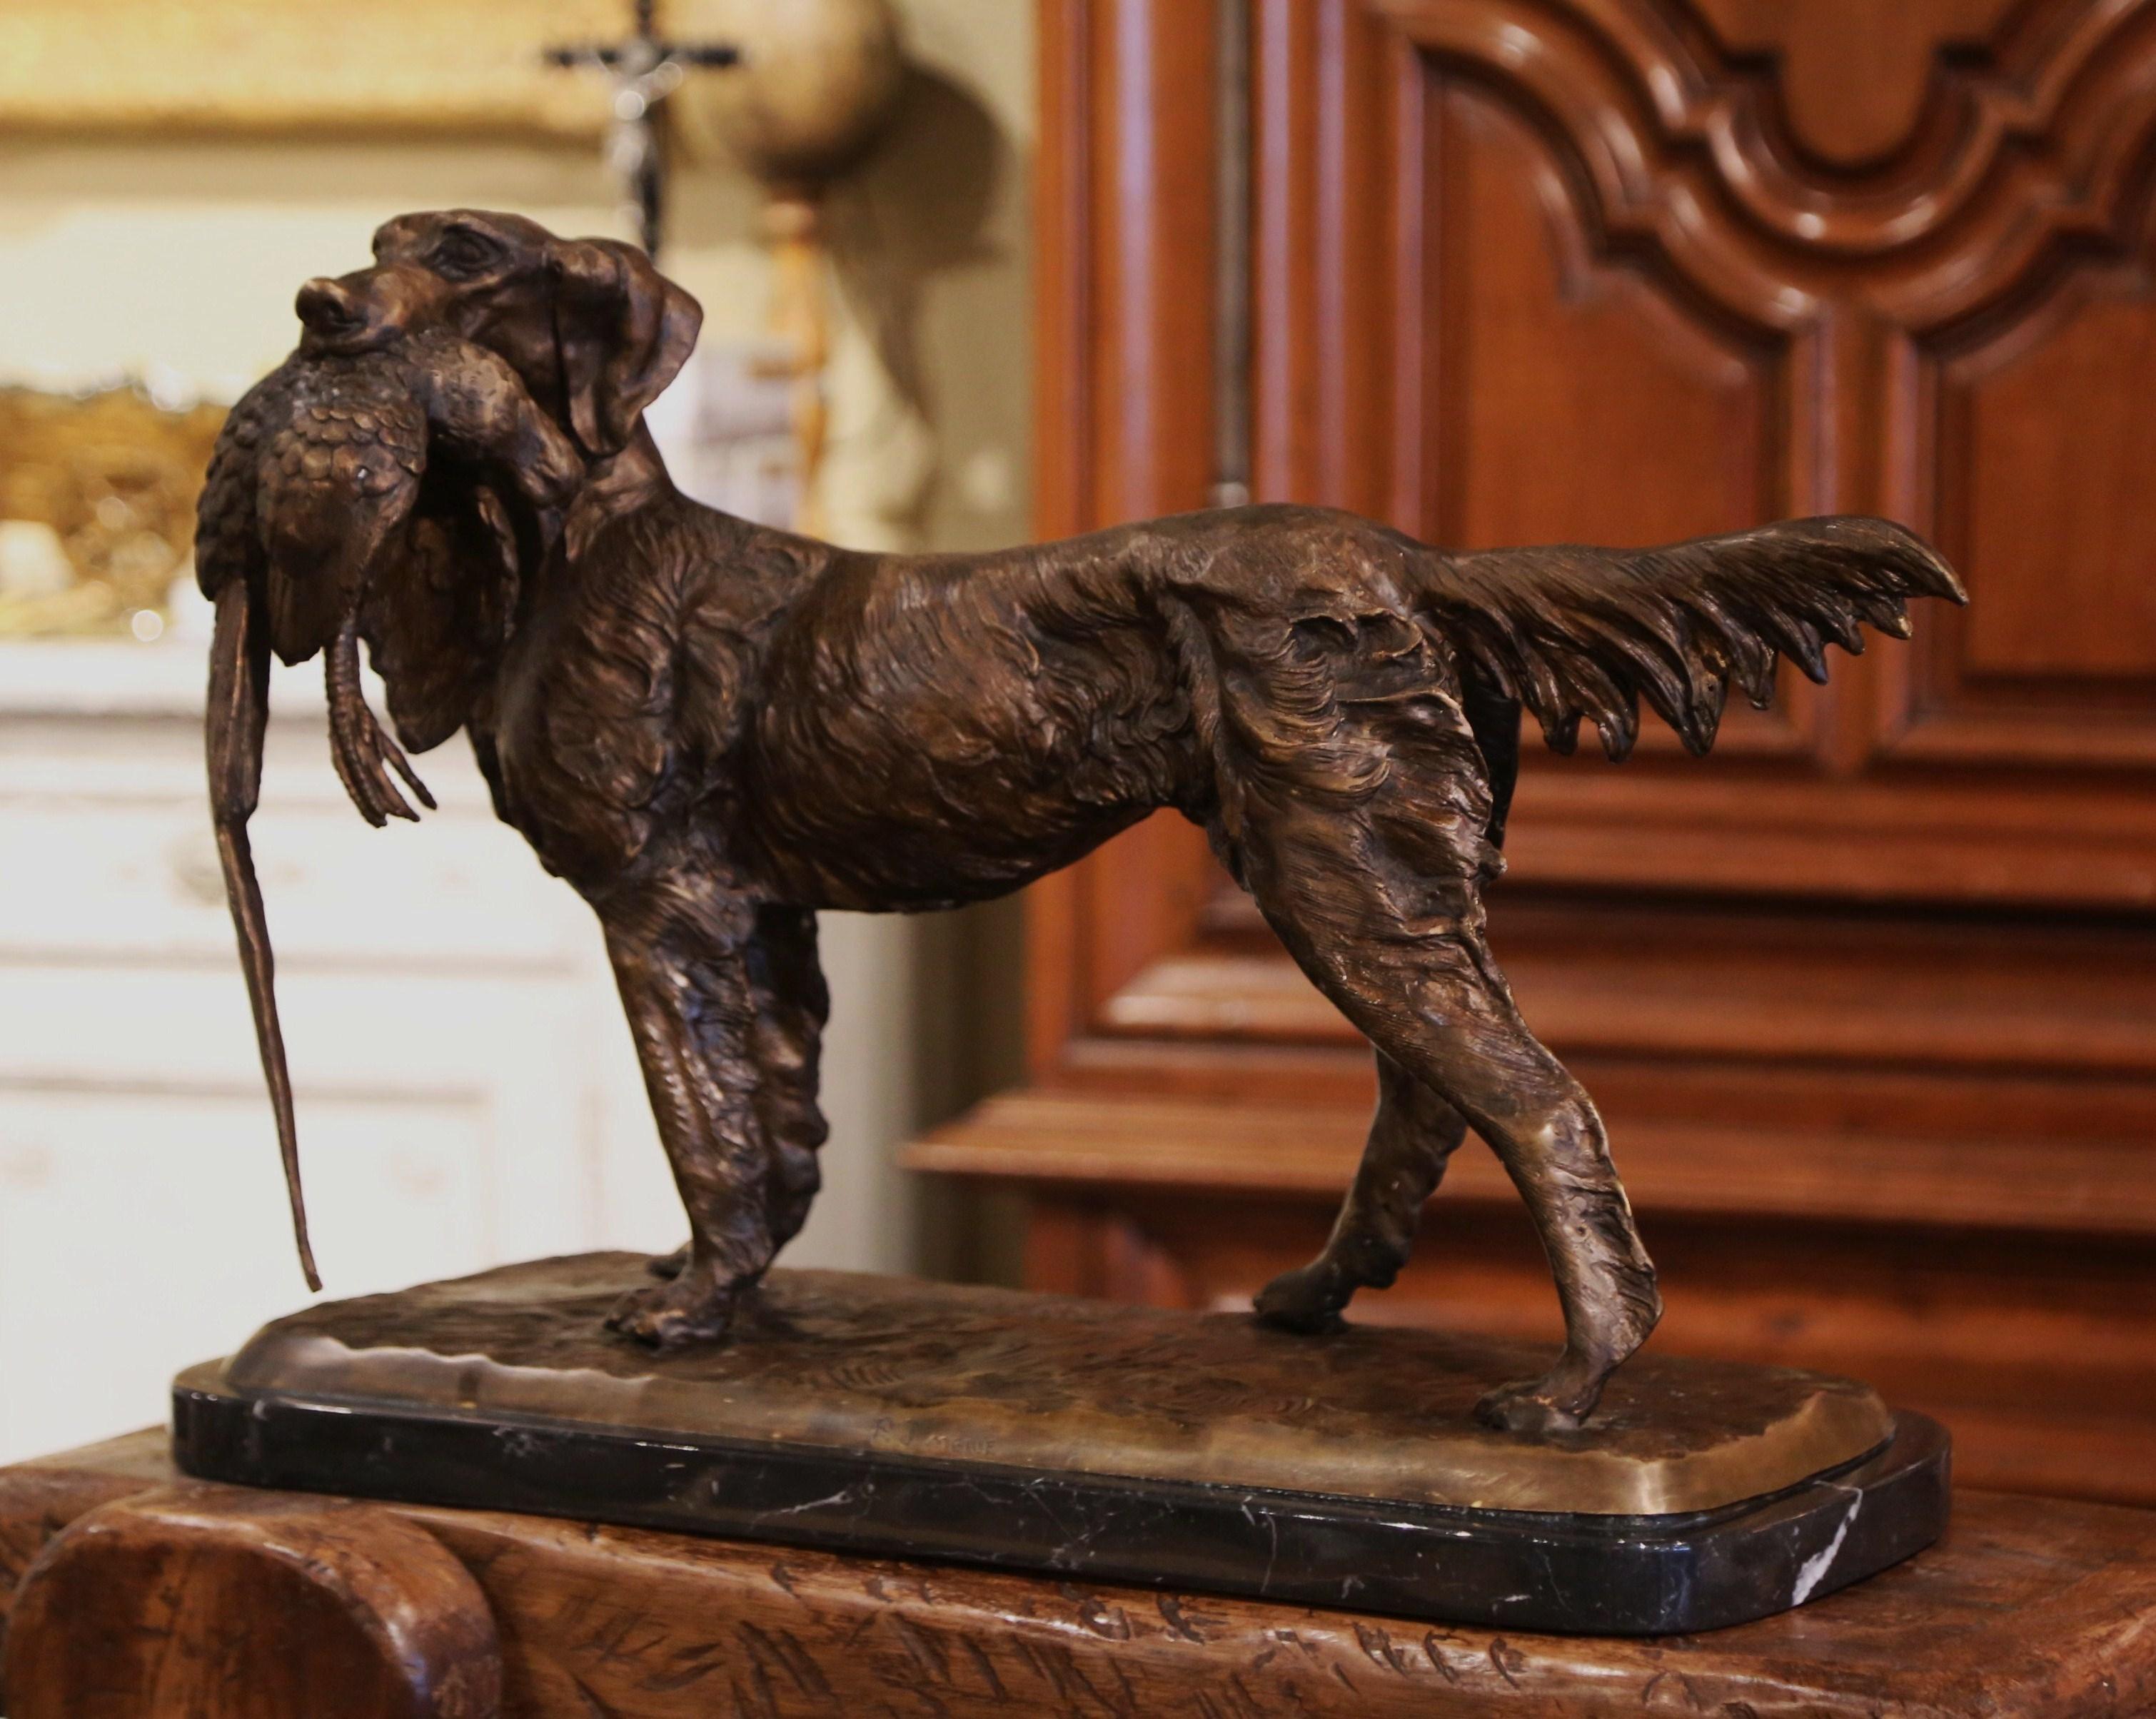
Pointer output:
x,y
668,1265
695,1307
360,747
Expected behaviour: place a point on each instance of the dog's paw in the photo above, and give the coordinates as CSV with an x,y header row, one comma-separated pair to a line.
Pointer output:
x,y
692,1308
1306,1300
670,1266
1527,1407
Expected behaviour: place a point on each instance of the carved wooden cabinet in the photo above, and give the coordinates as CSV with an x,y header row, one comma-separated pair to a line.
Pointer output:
x,y
1869,997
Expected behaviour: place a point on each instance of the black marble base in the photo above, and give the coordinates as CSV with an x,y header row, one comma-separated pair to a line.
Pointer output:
x,y
1587,1573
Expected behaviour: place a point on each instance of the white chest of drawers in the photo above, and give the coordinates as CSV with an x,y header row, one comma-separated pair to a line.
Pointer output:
x,y
466,1092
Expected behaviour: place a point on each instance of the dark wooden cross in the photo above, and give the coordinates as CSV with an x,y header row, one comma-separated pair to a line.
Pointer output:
x,y
646,69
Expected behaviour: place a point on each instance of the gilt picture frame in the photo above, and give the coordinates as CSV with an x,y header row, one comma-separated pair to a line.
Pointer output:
x,y
264,67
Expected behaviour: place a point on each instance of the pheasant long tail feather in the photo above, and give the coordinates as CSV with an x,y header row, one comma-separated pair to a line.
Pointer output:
x,y
238,715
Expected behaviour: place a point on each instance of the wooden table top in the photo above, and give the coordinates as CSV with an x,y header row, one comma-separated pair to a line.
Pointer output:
x,y
2029,1607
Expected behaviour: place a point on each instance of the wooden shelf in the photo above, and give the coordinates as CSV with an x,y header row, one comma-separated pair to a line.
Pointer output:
x,y
1086,1139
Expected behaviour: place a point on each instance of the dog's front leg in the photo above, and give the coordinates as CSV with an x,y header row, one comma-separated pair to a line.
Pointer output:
x,y
681,950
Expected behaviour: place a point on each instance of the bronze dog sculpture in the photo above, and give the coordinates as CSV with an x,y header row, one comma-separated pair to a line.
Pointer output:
x,y
711,730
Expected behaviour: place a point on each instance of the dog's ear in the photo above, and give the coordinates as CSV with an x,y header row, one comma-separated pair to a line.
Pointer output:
x,y
622,331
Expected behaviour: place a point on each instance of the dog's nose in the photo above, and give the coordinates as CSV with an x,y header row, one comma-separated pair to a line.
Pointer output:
x,y
329,308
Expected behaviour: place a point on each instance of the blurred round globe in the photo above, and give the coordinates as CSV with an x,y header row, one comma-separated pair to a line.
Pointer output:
x,y
816,81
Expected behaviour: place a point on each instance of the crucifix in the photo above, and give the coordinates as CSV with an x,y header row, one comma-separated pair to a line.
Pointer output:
x,y
841,65
646,69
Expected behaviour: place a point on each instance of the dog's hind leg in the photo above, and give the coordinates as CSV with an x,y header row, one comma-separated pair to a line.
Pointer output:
x,y
1412,1136
1404,957
1546,1132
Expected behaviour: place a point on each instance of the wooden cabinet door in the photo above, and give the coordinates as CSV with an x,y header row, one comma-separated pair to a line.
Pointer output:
x,y
1868,996
1636,271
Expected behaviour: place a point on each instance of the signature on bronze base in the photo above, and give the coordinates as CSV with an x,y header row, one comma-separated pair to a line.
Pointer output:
x,y
711,730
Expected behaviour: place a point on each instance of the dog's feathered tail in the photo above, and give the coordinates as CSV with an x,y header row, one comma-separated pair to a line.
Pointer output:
x,y
1572,632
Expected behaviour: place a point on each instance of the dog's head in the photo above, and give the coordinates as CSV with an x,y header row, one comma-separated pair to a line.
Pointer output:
x,y
594,330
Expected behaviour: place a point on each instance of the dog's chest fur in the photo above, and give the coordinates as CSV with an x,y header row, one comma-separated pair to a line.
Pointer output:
x,y
621,701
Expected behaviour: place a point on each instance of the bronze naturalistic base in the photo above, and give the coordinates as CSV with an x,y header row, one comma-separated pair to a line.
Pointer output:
x,y
891,1416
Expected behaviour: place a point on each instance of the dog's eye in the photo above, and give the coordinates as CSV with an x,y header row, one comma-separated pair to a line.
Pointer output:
x,y
461,254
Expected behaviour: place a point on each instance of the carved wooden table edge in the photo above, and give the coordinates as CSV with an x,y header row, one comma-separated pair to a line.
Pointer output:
x,y
2028,1606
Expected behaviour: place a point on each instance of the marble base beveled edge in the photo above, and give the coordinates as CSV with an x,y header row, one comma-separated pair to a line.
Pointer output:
x,y
1582,1574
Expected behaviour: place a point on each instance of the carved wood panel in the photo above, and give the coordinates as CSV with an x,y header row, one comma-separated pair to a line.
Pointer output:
x,y
2030,438
1852,81
1603,215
